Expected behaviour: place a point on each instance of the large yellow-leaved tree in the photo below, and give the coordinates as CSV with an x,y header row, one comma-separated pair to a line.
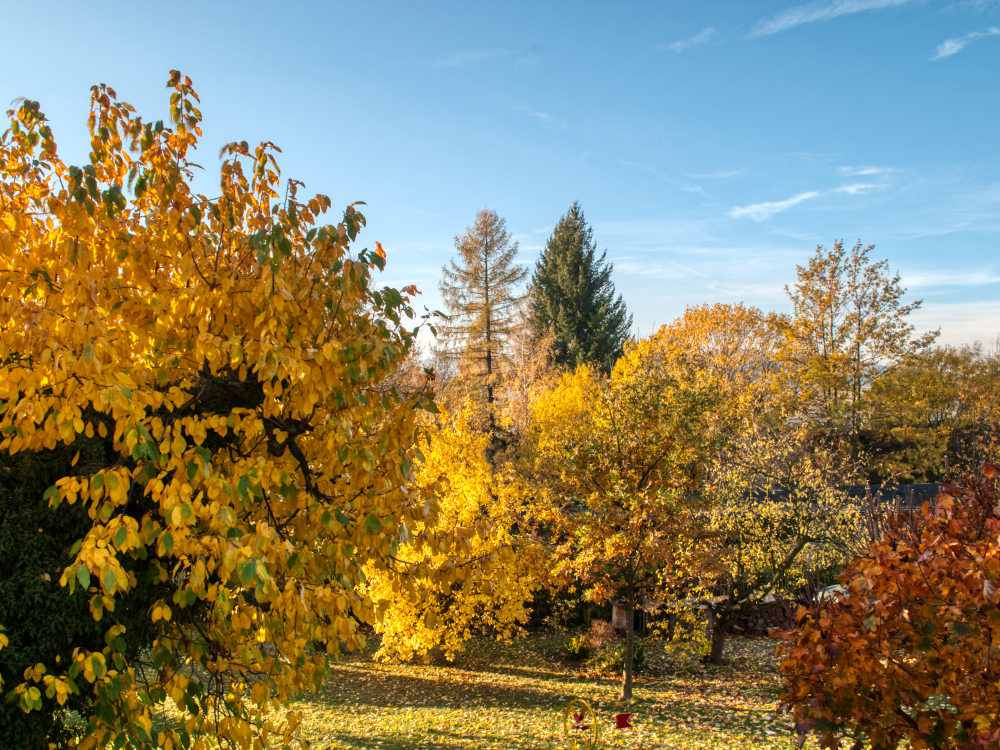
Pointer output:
x,y
482,510
236,353
774,510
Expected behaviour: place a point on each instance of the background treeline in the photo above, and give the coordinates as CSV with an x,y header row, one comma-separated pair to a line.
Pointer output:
x,y
711,469
852,367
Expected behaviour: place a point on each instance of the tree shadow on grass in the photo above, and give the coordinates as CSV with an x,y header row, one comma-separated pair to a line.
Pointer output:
x,y
445,690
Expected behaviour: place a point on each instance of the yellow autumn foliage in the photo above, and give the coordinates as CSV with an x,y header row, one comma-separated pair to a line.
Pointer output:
x,y
238,355
774,512
488,590
615,462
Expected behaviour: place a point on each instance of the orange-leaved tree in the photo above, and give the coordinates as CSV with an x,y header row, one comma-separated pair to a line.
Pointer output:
x,y
776,513
909,654
614,462
236,354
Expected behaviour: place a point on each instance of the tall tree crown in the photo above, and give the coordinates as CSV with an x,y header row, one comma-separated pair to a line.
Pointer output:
x,y
848,324
480,290
573,296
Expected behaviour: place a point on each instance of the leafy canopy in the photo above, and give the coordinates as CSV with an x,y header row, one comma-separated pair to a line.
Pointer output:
x,y
489,590
236,352
907,655
615,461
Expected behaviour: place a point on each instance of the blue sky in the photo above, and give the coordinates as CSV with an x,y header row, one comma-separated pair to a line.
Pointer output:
x,y
712,145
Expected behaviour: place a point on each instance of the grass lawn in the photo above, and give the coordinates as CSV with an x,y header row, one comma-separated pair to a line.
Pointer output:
x,y
513,696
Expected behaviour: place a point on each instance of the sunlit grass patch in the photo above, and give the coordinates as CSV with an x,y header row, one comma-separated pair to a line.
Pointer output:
x,y
512,696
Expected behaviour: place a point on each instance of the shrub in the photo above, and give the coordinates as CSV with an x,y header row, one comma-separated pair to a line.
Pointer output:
x,y
43,622
907,654
612,658
577,646
602,634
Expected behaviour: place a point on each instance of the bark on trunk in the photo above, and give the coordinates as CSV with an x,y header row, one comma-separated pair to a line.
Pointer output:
x,y
720,629
629,641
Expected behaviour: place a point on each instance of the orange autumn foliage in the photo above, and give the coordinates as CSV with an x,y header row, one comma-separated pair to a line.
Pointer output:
x,y
909,654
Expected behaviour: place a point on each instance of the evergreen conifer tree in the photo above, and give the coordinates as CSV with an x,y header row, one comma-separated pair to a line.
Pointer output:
x,y
573,296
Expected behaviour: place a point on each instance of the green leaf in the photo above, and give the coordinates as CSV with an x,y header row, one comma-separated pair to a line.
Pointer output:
x,y
97,482
120,537
247,573
109,580
372,524
168,541
88,353
83,576
342,518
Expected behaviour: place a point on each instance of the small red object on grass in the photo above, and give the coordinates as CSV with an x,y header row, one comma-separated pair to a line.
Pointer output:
x,y
621,721
578,722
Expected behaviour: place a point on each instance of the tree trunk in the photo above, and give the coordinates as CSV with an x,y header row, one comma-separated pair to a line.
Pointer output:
x,y
629,641
720,629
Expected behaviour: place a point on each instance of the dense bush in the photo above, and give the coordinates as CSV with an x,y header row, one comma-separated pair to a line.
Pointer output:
x,y
908,654
611,658
44,622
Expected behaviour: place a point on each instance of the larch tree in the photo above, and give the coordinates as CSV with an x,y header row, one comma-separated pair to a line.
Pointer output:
x,y
481,290
848,324
219,370
573,297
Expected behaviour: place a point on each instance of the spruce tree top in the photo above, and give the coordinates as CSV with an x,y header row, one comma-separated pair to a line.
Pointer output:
x,y
573,297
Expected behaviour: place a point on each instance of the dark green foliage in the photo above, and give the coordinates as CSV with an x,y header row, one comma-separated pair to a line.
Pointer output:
x,y
42,620
573,297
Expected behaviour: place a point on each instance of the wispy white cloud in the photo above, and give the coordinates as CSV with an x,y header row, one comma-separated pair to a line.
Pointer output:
x,y
945,279
702,37
544,117
471,57
949,47
695,189
859,187
764,211
821,10
718,175
863,171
